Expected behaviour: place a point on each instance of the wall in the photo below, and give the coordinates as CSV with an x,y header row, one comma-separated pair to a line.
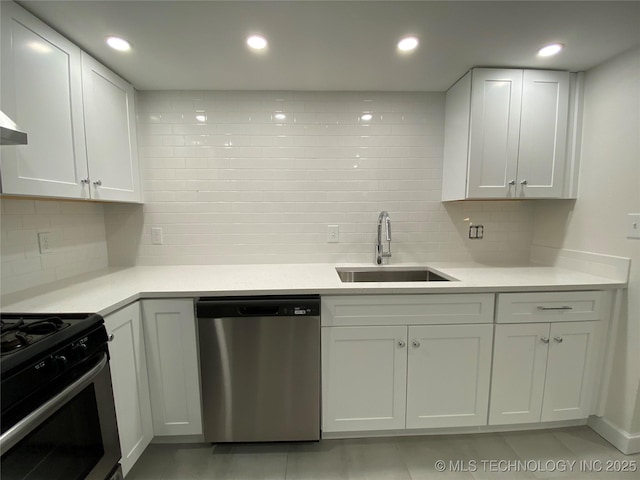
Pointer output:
x,y
241,187
78,241
229,182
609,188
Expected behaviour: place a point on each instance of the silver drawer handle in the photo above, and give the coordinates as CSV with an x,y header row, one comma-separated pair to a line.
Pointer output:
x,y
111,337
98,183
558,339
524,182
512,182
564,307
415,343
544,339
401,343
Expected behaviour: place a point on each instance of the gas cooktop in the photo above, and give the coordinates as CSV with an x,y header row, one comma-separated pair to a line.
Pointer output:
x,y
18,333
26,337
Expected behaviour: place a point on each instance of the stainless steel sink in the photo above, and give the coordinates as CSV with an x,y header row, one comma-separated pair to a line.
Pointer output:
x,y
357,275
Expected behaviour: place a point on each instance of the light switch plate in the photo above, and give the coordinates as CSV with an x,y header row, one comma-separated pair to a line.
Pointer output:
x,y
44,242
156,236
333,233
633,225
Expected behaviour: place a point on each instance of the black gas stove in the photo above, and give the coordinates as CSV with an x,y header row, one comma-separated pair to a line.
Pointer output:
x,y
35,349
58,415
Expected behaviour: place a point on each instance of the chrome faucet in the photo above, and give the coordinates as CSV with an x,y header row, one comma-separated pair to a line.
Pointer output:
x,y
383,218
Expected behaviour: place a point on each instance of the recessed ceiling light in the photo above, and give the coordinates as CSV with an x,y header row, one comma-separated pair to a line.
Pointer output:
x,y
280,116
257,42
551,49
366,117
118,43
408,44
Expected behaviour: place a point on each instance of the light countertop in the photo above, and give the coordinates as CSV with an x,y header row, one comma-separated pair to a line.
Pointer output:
x,y
107,290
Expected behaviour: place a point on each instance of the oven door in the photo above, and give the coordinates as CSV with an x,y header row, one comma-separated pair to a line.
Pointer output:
x,y
72,436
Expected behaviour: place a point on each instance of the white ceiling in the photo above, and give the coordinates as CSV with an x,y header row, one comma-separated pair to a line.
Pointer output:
x,y
338,45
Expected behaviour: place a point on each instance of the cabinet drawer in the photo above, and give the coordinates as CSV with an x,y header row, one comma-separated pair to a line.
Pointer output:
x,y
407,309
549,307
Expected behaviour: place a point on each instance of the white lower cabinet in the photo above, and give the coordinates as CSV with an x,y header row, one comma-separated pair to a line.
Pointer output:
x,y
130,383
449,375
174,382
397,377
364,375
543,372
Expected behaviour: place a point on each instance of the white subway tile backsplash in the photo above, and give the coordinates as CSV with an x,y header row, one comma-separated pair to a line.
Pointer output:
x,y
248,187
19,208
77,240
230,183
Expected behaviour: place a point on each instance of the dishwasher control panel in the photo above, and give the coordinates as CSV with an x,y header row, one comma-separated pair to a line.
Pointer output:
x,y
266,306
298,311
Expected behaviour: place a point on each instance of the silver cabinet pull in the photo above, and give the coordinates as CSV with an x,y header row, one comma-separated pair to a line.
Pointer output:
x,y
524,182
512,182
564,307
97,183
401,343
415,343
111,337
544,339
84,181
558,339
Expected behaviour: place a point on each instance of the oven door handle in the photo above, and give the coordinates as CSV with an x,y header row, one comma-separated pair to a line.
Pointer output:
x,y
29,423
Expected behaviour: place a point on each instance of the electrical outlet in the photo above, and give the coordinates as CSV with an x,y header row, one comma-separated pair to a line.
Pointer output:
x,y
156,236
476,232
633,225
333,233
44,242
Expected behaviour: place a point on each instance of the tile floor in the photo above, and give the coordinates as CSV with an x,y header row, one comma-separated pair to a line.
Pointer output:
x,y
574,453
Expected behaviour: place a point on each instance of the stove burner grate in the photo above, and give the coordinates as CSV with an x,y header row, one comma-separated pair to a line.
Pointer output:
x,y
18,334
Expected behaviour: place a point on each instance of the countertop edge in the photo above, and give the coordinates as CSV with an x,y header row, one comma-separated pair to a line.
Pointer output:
x,y
109,290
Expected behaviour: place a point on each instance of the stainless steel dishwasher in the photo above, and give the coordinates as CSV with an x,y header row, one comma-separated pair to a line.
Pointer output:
x,y
260,368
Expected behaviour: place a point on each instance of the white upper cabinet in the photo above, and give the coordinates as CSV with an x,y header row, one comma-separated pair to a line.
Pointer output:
x,y
79,117
506,135
111,134
543,134
42,93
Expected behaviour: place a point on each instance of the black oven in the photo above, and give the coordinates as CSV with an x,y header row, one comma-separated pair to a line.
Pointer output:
x,y
58,413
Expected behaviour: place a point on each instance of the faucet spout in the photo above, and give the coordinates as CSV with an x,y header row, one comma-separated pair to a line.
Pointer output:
x,y
384,221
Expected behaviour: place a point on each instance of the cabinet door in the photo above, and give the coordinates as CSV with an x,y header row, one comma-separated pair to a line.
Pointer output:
x,y
111,134
174,382
494,133
130,383
449,368
543,134
519,363
570,371
42,93
363,378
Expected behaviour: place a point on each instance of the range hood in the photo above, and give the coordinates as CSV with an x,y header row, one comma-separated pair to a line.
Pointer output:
x,y
9,133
